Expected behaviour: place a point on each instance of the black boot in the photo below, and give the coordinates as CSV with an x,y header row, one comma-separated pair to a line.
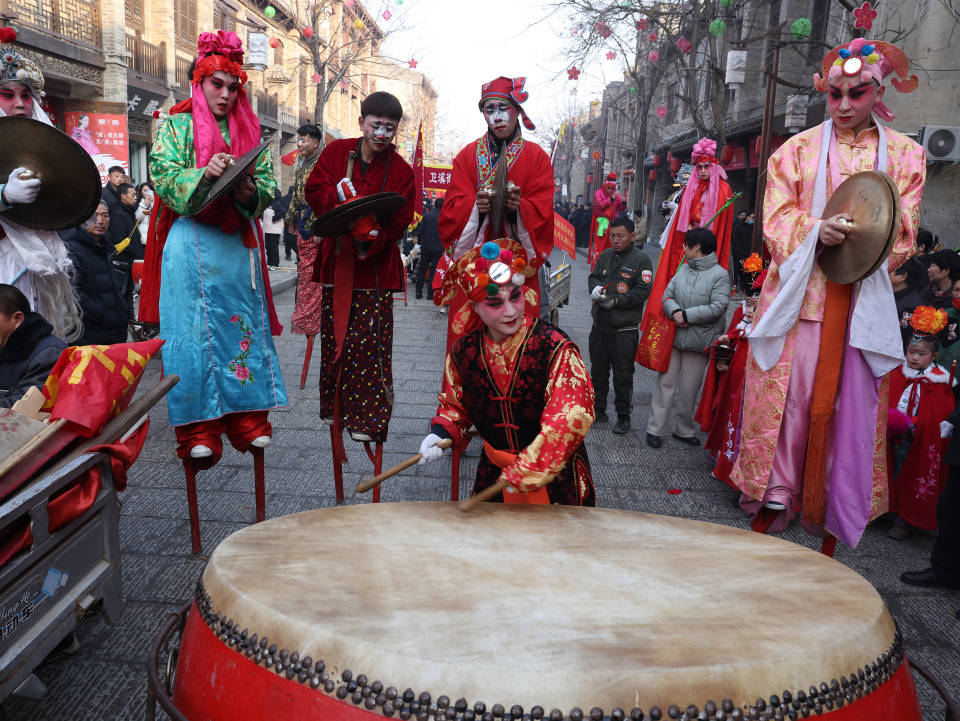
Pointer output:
x,y
623,425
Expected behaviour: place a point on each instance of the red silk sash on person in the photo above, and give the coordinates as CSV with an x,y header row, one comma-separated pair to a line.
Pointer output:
x,y
91,384
564,237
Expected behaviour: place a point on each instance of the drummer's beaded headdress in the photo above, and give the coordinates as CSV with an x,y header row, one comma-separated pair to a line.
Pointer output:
x,y
511,90
14,67
222,50
483,271
868,60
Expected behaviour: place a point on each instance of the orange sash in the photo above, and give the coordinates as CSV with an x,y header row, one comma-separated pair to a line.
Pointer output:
x,y
833,338
502,459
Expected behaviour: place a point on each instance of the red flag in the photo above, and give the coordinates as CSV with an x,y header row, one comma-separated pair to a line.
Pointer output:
x,y
91,384
418,179
290,158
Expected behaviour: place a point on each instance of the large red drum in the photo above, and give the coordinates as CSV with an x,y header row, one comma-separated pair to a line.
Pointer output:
x,y
416,610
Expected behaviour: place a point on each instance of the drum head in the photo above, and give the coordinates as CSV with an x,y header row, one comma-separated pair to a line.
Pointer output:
x,y
71,184
873,201
556,606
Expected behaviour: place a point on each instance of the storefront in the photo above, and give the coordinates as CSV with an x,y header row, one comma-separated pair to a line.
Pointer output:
x,y
143,99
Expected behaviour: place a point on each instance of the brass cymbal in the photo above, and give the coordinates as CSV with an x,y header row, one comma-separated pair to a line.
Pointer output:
x,y
337,221
233,175
71,184
873,201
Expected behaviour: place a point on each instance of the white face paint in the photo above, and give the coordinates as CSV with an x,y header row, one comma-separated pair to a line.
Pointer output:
x,y
501,118
378,132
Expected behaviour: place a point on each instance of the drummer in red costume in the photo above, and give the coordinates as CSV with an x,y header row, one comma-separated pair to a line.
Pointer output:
x,y
466,219
608,204
705,194
520,380
356,322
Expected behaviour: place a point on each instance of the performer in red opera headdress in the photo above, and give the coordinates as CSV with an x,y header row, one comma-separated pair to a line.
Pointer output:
x,y
360,277
520,381
813,349
722,398
608,204
205,275
501,157
705,194
921,398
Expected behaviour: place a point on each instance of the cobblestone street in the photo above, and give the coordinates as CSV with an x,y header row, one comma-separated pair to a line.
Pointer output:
x,y
105,678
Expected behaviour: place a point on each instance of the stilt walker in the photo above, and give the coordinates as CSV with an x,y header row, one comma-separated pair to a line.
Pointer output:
x,y
214,304
362,192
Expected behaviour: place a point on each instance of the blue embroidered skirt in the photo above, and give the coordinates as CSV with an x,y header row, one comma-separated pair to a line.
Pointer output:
x,y
216,326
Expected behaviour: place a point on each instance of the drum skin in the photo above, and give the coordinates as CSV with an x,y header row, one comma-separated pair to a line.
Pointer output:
x,y
704,643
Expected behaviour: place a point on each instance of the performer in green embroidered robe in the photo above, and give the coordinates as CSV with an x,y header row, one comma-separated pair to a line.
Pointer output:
x,y
215,309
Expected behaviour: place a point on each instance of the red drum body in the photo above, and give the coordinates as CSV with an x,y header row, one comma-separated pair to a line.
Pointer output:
x,y
136,271
525,612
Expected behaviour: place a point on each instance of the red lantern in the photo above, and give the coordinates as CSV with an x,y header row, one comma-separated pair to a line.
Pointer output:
x,y
675,164
669,156
727,155
658,160
589,177
652,176
307,32
274,42
596,155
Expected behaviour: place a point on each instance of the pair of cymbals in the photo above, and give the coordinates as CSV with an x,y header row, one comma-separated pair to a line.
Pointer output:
x,y
234,175
338,220
872,199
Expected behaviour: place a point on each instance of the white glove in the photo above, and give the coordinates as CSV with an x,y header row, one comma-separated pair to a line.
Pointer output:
x,y
21,191
428,449
946,429
345,190
597,293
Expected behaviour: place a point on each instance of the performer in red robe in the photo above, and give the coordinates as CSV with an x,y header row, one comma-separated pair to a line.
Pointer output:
x,y
921,391
607,205
466,220
706,193
356,323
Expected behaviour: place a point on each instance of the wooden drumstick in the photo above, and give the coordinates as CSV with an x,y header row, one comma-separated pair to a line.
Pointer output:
x,y
366,485
485,495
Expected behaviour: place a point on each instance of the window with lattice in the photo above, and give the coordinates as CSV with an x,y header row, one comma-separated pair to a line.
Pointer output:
x,y
134,13
185,23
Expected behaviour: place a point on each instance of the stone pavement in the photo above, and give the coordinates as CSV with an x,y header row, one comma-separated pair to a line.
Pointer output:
x,y
105,678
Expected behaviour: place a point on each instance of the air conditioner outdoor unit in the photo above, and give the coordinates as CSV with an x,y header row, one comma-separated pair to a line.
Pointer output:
x,y
942,142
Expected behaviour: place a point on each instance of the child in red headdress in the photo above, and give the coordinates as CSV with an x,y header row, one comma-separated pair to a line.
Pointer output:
x,y
920,400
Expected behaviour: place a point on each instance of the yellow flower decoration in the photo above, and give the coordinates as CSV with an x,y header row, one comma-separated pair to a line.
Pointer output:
x,y
926,319
358,24
872,58
753,264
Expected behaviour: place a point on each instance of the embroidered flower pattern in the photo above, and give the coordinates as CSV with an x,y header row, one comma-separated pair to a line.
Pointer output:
x,y
926,485
238,366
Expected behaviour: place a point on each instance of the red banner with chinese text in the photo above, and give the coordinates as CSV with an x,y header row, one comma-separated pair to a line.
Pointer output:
x,y
104,137
437,177
564,237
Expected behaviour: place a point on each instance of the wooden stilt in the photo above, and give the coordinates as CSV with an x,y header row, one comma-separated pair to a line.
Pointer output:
x,y
258,483
191,472
337,468
455,472
306,361
376,458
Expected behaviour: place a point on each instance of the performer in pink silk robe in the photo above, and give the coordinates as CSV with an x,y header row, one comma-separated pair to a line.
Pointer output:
x,y
607,204
466,219
790,344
